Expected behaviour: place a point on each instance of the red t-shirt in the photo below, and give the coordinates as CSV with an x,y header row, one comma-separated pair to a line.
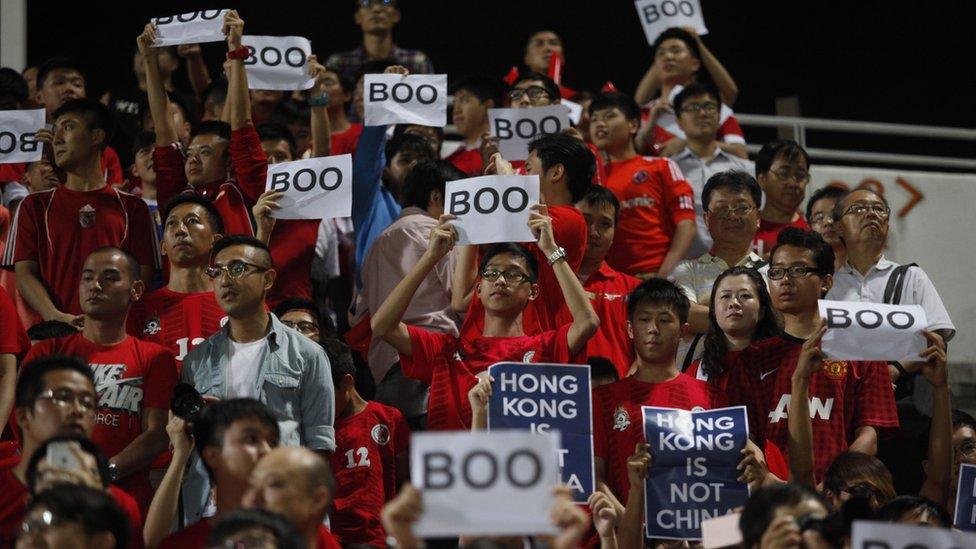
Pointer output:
x,y
608,291
112,167
192,537
345,142
729,131
177,321
13,503
618,423
545,312
59,227
129,377
844,395
292,250
13,338
364,464
449,365
768,231
654,197
325,539
467,160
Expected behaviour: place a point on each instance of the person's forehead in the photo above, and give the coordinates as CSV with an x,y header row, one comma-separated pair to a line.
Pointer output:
x,y
66,73
862,195
736,282
248,424
187,209
67,379
206,139
506,259
789,254
600,209
605,111
648,307
673,43
104,261
298,315
237,252
783,160
725,194
700,98
529,83
963,433
824,204
544,36
69,117
274,143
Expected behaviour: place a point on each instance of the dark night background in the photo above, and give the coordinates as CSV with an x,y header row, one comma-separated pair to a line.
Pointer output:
x,y
877,61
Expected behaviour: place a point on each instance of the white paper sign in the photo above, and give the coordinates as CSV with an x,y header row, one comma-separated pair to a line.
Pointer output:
x,y
516,128
886,535
194,27
872,331
657,16
721,531
277,62
498,483
413,99
575,110
493,208
317,188
17,130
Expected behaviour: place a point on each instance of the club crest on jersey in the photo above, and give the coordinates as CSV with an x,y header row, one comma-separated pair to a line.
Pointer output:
x,y
528,357
380,434
621,419
835,369
153,326
86,216
639,177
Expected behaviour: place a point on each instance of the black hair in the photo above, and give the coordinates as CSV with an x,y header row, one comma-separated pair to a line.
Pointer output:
x,y
614,100
131,263
97,116
680,34
552,89
531,263
346,81
898,507
426,177
962,419
715,345
56,63
13,85
30,382
694,90
214,420
143,140
216,221
211,127
292,111
762,505
401,129
340,359
86,445
823,253
270,131
790,150
95,510
734,181
602,368
597,195
241,240
830,192
325,323
576,158
839,205
856,466
50,329
658,291
409,142
284,532
482,87
376,66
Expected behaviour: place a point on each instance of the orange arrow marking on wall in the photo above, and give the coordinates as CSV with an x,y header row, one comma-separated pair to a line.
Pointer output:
x,y
916,196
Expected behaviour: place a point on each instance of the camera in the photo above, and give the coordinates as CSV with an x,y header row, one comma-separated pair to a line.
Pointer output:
x,y
187,402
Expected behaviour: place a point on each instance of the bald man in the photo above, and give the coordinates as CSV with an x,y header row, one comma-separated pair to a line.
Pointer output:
x,y
296,483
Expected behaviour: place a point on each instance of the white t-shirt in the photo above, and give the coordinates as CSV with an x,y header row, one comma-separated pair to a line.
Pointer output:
x,y
243,366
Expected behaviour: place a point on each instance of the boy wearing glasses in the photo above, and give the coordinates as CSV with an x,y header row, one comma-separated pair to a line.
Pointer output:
x,y
851,402
134,379
508,282
783,171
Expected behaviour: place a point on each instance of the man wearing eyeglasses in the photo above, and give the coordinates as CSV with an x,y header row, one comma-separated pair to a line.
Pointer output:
x,y
783,171
134,379
697,108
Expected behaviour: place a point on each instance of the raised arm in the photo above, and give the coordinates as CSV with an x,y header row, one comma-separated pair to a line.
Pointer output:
x,y
723,80
155,89
319,102
939,472
237,94
162,510
630,533
464,278
649,86
196,68
800,425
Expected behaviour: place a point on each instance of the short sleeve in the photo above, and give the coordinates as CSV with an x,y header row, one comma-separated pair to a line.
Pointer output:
x,y
730,131
427,349
160,379
24,234
318,402
13,339
683,276
143,240
678,195
601,446
928,297
554,345
874,401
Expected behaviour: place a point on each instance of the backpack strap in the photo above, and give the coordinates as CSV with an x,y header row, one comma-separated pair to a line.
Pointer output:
x,y
690,355
896,284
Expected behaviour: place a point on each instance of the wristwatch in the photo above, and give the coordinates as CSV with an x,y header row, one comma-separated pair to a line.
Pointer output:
x,y
322,101
560,253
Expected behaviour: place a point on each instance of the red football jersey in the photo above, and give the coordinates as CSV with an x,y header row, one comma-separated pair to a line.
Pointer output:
x,y
467,160
608,291
292,250
177,321
13,338
325,540
449,365
193,536
13,502
59,227
618,423
768,231
345,142
654,197
129,377
112,167
844,395
364,464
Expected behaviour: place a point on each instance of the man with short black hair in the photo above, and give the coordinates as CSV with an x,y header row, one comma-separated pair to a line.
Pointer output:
x,y
65,516
472,99
820,217
533,89
783,171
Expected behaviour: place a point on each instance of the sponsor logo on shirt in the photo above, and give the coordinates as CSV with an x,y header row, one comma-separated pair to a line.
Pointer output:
x,y
621,419
153,326
528,357
114,392
818,408
86,216
638,202
835,369
639,177
380,434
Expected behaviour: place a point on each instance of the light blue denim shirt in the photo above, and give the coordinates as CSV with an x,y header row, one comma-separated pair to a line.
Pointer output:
x,y
294,380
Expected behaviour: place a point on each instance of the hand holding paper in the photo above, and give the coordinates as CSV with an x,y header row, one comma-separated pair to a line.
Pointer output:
x,y
934,355
811,357
442,238
541,225
638,464
233,29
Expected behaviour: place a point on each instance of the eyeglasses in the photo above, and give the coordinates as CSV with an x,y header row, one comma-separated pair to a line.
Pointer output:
x,y
708,108
512,275
368,3
966,449
234,269
822,219
534,92
739,211
798,176
66,397
862,208
303,327
796,271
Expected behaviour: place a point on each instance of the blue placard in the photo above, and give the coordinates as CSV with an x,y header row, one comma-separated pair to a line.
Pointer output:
x,y
965,518
693,476
549,397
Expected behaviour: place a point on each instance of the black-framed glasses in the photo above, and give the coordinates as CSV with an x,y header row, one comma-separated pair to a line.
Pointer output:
x,y
862,208
795,271
514,276
234,269
694,108
304,327
799,176
64,397
534,93
739,211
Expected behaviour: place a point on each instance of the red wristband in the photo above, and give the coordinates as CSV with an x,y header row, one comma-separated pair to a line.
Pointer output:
x,y
240,53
